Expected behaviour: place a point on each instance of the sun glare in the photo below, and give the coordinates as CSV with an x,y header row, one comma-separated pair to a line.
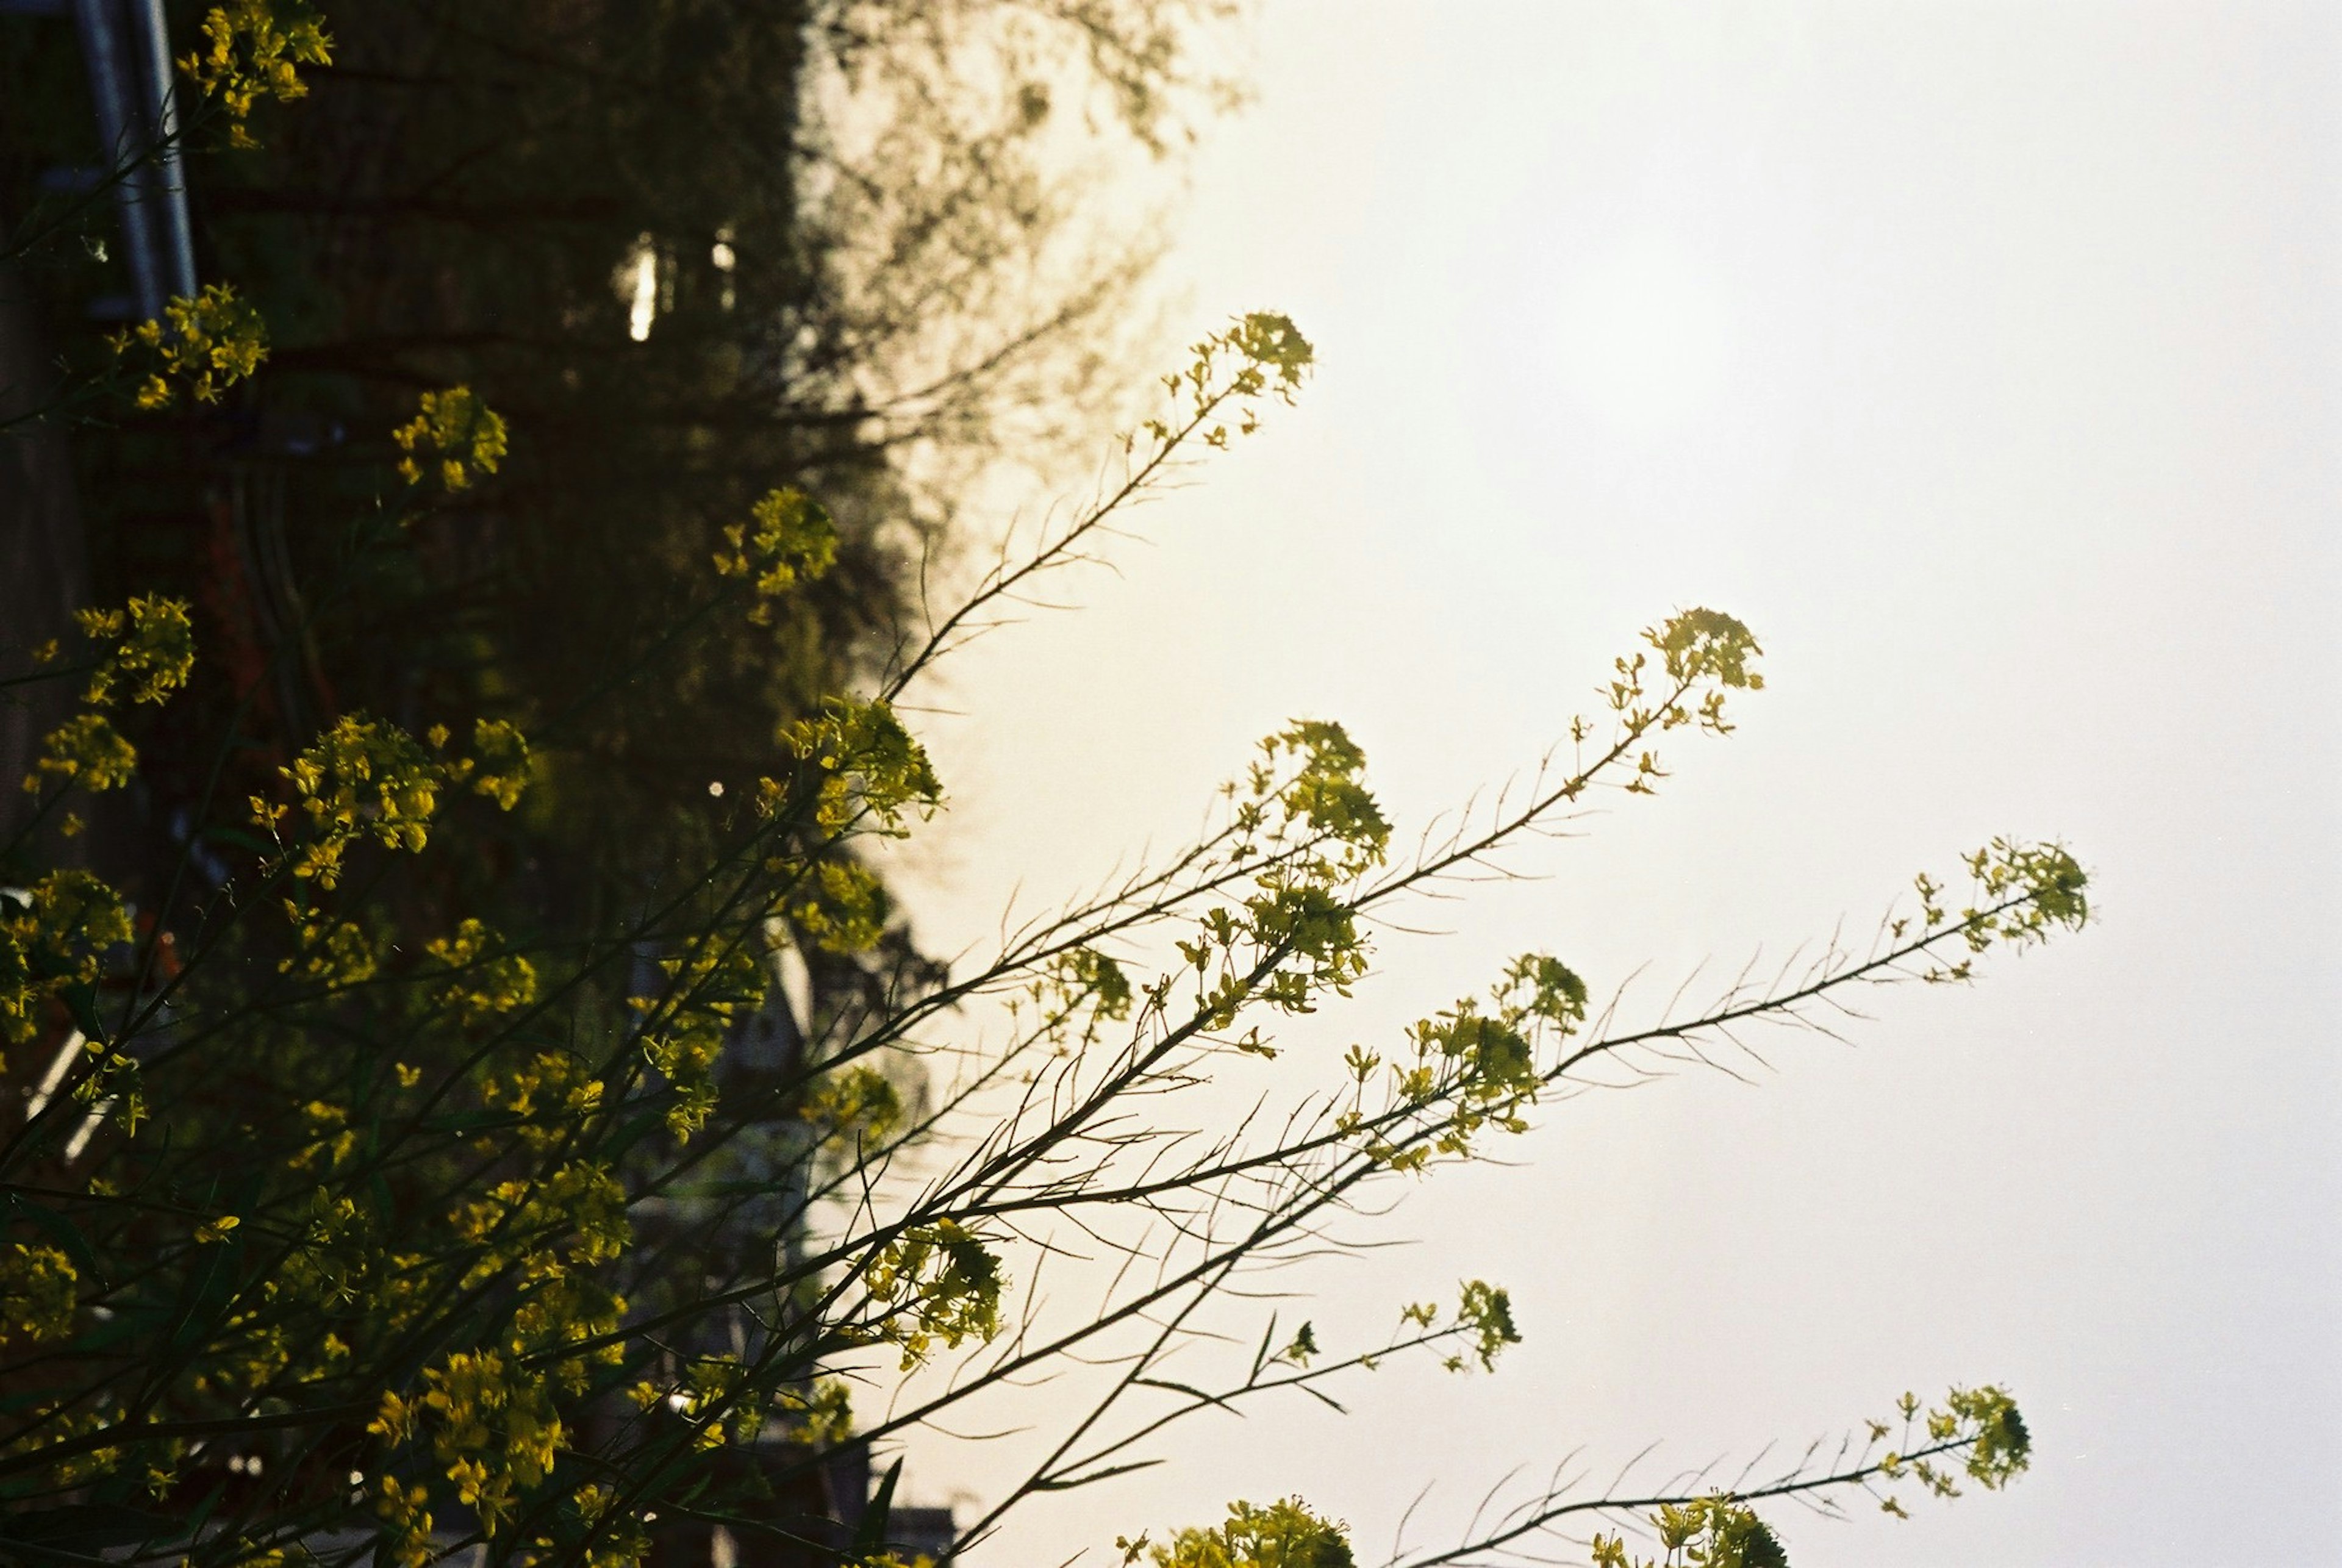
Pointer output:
x,y
639,286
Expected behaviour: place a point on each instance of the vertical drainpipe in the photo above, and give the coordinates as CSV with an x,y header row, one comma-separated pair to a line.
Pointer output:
x,y
178,245
127,46
110,84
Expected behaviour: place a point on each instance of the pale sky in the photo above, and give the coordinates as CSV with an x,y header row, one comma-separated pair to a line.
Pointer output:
x,y
1986,360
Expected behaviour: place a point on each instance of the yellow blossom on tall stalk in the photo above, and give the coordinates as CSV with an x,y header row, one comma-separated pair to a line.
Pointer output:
x,y
368,779
935,1283
85,750
498,766
202,347
844,910
36,1294
51,936
709,990
453,434
792,540
254,49
485,983
1285,1534
870,770
361,779
147,649
492,1426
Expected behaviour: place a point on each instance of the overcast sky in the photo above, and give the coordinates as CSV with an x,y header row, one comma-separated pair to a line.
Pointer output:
x,y
1984,360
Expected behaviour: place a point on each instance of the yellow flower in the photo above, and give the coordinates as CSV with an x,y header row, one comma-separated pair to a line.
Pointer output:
x,y
87,751
36,1292
147,650
52,939
453,432
362,779
210,342
250,53
487,984
793,539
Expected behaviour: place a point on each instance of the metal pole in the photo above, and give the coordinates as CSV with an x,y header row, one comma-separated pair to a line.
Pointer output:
x,y
101,49
178,239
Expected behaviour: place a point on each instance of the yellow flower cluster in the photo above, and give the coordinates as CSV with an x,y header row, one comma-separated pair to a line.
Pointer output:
x,y
362,779
488,1416
714,1398
1485,1313
685,1053
43,1425
1703,655
1480,1063
334,953
250,52
492,1426
85,750
143,654
368,779
1985,1422
487,984
1706,1531
1285,1534
210,342
335,1255
1306,825
853,1106
111,1086
575,1214
615,1542
844,909
1260,354
2019,891
870,767
793,539
51,940
935,1282
332,1139
453,434
709,988
551,1093
147,650
36,1294
405,1513
498,766
563,1309
821,1416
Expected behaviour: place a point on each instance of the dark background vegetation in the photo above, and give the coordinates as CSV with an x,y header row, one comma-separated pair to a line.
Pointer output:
x,y
458,201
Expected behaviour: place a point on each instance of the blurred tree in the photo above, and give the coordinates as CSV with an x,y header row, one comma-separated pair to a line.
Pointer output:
x,y
694,250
